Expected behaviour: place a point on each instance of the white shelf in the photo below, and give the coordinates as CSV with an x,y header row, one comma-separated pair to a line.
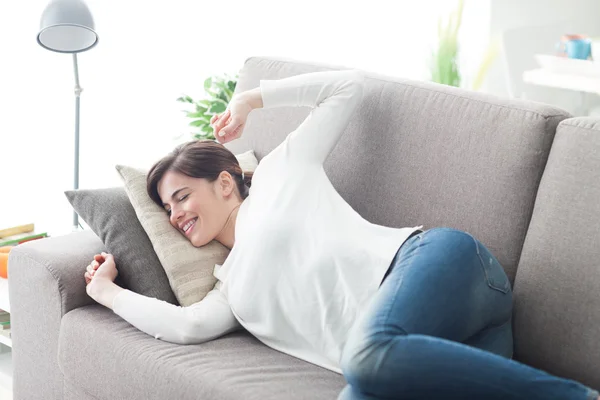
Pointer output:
x,y
6,369
579,83
6,373
4,305
5,394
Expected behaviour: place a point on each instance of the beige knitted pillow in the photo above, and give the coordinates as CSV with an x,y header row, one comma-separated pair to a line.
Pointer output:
x,y
189,268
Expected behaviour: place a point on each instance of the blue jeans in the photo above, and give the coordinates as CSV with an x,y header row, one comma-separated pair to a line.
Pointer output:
x,y
439,327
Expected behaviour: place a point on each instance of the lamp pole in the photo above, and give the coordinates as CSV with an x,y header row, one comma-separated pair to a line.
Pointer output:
x,y
78,90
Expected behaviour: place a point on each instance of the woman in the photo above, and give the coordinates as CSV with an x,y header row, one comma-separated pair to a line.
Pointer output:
x,y
400,312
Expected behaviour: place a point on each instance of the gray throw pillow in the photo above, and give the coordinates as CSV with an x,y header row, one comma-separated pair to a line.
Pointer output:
x,y
109,213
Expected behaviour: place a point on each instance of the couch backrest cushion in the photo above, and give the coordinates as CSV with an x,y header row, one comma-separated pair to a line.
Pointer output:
x,y
422,153
557,290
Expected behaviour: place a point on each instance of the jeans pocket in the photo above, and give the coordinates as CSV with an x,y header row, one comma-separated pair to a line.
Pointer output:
x,y
493,271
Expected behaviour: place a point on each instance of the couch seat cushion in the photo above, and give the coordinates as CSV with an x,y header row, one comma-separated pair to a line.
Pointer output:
x,y
108,358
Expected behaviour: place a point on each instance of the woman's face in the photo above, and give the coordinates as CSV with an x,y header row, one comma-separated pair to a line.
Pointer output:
x,y
196,208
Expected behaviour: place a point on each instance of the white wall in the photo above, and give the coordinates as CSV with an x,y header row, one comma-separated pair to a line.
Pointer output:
x,y
150,53
576,16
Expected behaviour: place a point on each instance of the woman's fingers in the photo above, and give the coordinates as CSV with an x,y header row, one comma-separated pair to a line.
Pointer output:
x,y
234,134
88,278
108,257
221,121
215,118
90,270
226,127
231,127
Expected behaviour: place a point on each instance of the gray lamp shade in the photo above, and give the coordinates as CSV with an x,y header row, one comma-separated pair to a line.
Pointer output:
x,y
67,26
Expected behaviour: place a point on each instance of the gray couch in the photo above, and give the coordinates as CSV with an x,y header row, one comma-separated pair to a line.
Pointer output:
x,y
522,177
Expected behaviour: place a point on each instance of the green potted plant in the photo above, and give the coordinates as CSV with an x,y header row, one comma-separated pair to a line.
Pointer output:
x,y
219,91
444,63
444,68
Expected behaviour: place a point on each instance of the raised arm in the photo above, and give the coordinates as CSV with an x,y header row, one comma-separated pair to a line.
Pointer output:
x,y
333,95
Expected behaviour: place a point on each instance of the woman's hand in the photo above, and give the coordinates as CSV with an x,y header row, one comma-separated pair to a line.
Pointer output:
x,y
229,125
100,271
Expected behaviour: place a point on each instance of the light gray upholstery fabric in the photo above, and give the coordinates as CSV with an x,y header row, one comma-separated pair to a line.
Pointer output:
x,y
45,282
110,359
111,216
74,392
421,153
557,292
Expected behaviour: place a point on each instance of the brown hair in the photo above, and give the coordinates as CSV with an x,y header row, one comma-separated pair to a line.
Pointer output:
x,y
198,159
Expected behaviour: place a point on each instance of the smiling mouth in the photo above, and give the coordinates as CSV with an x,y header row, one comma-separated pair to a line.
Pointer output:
x,y
190,226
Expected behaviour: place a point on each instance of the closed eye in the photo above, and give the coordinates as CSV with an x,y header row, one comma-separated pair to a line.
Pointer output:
x,y
178,200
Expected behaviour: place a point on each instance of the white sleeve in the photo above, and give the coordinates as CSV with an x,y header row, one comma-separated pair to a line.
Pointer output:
x,y
334,97
203,321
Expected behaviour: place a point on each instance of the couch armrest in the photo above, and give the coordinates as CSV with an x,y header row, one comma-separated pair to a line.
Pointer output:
x,y
557,301
45,282
63,258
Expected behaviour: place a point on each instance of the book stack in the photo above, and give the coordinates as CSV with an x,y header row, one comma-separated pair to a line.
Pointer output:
x,y
15,235
12,236
5,324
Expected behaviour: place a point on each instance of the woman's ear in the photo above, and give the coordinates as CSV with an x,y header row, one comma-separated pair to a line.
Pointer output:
x,y
226,183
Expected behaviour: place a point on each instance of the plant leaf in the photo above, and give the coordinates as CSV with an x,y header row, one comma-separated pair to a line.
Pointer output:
x,y
444,67
211,92
185,99
198,122
223,96
201,109
459,14
197,115
217,107
227,95
221,85
207,83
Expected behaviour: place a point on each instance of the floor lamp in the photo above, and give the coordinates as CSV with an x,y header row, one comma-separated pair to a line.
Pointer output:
x,y
67,26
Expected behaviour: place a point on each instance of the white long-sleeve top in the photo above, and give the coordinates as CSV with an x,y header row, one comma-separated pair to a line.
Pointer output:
x,y
304,264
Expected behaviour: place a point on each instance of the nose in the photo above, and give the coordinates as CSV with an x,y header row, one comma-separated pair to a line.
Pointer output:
x,y
176,215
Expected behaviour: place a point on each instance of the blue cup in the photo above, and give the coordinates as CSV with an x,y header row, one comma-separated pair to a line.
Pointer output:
x,y
576,48
579,48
